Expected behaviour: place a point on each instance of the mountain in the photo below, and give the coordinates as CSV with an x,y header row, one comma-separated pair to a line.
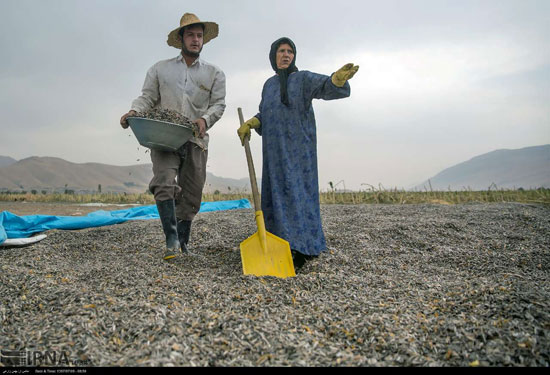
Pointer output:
x,y
49,174
227,185
6,160
527,168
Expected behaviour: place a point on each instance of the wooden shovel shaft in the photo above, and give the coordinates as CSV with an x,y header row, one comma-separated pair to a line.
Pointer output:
x,y
251,171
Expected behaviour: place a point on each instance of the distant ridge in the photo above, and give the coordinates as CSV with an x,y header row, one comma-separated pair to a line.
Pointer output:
x,y
6,160
50,174
527,168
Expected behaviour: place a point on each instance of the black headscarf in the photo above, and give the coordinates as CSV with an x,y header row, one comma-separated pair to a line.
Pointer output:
x,y
283,73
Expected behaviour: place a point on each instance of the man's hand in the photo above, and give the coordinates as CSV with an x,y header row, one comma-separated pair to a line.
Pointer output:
x,y
123,121
202,126
342,75
244,130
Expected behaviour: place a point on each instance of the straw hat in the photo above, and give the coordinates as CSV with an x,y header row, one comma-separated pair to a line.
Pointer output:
x,y
210,30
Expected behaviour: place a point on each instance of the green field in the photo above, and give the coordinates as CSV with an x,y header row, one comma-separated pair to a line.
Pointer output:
x,y
378,196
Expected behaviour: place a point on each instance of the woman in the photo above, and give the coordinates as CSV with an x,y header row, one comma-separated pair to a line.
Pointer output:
x,y
286,122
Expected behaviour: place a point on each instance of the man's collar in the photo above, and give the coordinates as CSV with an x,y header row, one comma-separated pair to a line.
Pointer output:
x,y
197,60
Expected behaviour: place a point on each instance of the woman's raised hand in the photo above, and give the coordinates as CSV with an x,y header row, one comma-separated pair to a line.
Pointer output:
x,y
342,75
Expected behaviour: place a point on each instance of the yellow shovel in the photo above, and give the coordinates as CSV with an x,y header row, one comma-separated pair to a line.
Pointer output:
x,y
263,253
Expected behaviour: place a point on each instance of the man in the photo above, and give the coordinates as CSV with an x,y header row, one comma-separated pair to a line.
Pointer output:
x,y
195,88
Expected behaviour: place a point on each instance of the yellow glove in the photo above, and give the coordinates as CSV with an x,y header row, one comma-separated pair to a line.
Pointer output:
x,y
340,77
244,130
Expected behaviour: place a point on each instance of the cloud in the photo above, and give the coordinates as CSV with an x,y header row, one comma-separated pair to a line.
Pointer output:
x,y
439,81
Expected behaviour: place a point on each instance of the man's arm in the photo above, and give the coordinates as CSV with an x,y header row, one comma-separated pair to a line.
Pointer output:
x,y
217,101
150,93
149,96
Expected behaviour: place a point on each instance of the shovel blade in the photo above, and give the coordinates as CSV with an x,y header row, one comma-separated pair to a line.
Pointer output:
x,y
275,260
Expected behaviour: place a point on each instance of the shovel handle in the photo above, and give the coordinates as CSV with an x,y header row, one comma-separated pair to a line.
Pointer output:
x,y
251,171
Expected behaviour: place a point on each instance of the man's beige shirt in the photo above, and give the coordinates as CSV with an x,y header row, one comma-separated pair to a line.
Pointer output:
x,y
195,91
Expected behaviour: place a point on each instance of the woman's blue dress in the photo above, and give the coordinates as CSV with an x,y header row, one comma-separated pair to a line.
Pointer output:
x,y
290,182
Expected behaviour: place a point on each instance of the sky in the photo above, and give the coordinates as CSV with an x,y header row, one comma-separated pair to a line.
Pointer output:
x,y
439,82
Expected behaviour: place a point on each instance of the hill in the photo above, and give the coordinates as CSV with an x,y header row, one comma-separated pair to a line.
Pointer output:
x,y
6,160
527,168
49,174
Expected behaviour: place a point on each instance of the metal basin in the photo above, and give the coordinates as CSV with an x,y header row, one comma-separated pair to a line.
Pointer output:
x,y
159,135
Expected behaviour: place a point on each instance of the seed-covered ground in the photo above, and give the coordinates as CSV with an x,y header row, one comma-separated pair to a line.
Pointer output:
x,y
400,285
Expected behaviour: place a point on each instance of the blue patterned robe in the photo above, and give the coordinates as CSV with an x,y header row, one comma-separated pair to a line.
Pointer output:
x,y
290,182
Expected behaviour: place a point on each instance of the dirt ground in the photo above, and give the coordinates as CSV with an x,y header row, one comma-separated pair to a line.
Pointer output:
x,y
57,209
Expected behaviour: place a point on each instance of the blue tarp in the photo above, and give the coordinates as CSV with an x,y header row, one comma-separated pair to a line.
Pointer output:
x,y
13,226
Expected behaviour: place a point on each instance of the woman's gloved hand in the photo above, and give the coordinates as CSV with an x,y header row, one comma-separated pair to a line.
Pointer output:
x,y
244,130
343,74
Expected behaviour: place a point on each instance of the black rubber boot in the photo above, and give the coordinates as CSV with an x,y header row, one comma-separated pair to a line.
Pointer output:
x,y
300,259
184,231
167,213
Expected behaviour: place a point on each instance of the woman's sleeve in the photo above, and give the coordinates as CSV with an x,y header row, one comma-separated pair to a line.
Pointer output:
x,y
259,114
320,86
